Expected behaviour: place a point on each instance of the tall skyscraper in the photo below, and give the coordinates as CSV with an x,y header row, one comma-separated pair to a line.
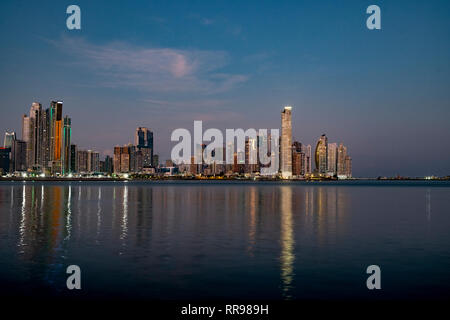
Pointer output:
x,y
8,141
35,137
143,140
332,159
286,142
342,154
66,151
56,135
321,155
45,143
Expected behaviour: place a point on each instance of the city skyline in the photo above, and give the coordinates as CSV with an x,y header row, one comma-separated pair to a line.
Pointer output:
x,y
46,148
164,65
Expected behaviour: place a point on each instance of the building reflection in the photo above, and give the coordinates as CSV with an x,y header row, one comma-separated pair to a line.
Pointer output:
x,y
201,221
287,241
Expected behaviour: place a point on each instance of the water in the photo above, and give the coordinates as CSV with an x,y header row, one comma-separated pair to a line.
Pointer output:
x,y
239,240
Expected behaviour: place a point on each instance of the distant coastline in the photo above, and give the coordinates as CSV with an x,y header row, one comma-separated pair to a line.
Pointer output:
x,y
206,179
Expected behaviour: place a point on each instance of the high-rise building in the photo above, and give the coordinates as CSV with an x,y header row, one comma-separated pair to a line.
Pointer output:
x,y
45,143
143,140
82,161
5,160
93,161
298,159
108,166
35,137
26,135
124,159
56,135
332,159
307,150
321,155
66,147
8,141
19,156
348,166
73,158
286,142
342,154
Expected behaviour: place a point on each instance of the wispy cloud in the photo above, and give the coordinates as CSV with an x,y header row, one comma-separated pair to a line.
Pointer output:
x,y
153,69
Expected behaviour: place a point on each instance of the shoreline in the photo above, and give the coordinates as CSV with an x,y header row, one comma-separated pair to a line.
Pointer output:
x,y
206,179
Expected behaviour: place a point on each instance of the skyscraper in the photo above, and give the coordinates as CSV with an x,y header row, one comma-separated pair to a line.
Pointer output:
x,y
297,159
342,154
321,155
348,166
82,161
143,140
332,159
66,147
93,161
307,165
19,156
35,137
56,135
9,139
5,160
73,158
286,142
45,143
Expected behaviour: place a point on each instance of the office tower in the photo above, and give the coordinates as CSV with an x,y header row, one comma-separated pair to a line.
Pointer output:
x,y
66,147
286,142
307,159
143,140
348,166
56,135
19,156
321,156
5,154
73,158
9,139
332,159
342,154
26,135
35,137
82,161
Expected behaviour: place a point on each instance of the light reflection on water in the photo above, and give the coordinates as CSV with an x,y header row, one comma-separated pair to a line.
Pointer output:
x,y
276,241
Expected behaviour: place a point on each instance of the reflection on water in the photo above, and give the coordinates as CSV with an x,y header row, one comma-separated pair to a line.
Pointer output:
x,y
287,241
179,233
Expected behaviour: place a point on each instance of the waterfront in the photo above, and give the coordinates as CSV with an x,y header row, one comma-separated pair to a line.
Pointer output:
x,y
225,240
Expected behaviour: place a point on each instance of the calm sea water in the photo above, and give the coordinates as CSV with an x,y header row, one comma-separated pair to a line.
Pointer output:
x,y
227,240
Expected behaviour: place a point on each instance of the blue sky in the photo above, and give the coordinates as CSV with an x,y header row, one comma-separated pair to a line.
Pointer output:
x,y
163,64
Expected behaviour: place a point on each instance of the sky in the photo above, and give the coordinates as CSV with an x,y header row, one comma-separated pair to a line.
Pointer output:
x,y
235,64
